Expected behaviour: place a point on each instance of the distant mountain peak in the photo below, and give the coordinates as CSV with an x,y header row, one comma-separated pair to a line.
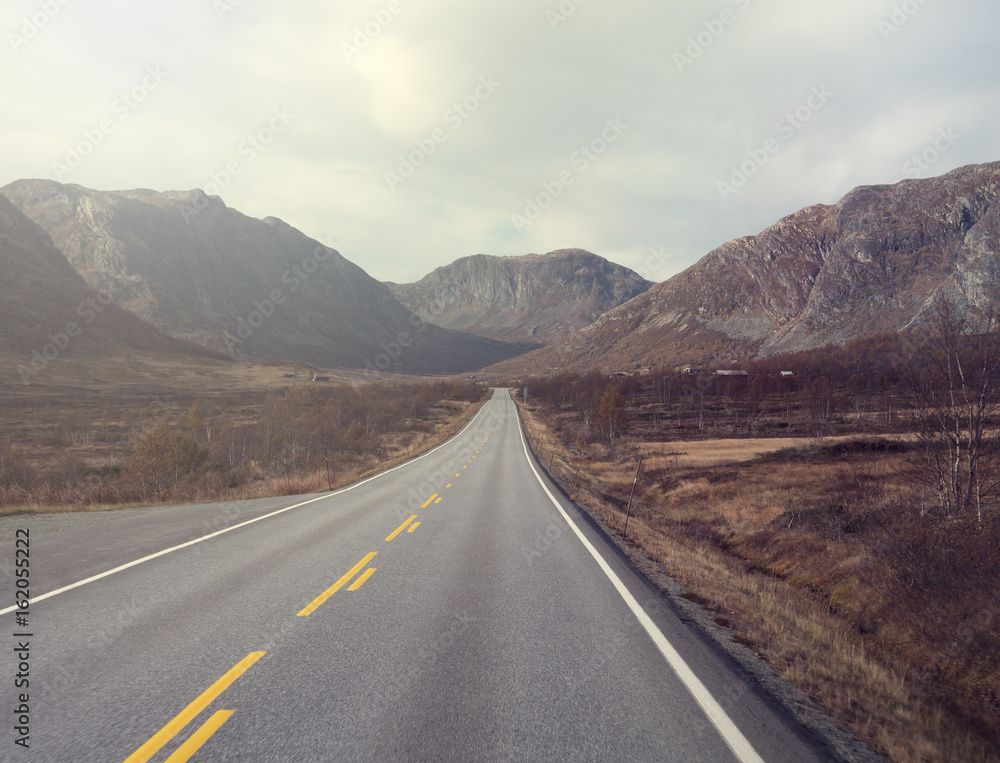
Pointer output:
x,y
48,311
826,274
528,297
199,270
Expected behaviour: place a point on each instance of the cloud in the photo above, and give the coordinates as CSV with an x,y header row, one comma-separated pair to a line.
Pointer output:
x,y
370,82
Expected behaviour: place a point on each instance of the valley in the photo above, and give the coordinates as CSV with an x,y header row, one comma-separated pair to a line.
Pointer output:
x,y
500,381
798,528
263,436
764,421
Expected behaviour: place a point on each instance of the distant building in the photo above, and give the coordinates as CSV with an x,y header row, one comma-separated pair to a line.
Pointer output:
x,y
787,373
319,378
289,376
731,373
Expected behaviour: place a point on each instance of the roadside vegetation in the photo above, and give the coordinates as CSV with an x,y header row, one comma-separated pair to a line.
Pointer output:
x,y
859,556
73,455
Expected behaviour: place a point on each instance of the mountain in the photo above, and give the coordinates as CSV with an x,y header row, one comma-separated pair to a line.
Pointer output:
x,y
198,270
48,312
829,273
530,298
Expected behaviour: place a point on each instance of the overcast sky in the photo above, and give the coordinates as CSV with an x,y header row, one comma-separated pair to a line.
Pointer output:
x,y
409,133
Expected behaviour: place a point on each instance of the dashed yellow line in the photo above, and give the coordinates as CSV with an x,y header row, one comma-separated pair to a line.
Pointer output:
x,y
183,753
400,529
361,580
337,586
415,525
428,501
188,714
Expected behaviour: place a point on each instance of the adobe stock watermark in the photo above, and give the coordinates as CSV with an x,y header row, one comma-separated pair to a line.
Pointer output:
x,y
422,661
60,340
712,31
655,263
248,151
294,278
582,159
920,163
541,543
435,480
32,25
223,8
610,647
121,109
786,127
562,12
391,353
365,34
456,115
901,15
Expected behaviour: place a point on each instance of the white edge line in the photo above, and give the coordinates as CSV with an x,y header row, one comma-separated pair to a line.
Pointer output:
x,y
165,551
733,737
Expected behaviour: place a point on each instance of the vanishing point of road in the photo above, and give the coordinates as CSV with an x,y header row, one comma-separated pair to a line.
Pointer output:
x,y
454,608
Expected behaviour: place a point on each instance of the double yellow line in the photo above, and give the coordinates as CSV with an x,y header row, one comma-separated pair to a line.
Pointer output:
x,y
341,583
402,527
318,601
205,732
183,753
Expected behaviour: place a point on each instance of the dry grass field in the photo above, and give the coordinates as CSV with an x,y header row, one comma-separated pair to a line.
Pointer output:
x,y
690,453
816,557
209,430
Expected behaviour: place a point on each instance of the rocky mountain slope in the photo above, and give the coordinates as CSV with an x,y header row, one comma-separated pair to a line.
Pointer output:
x,y
530,298
827,274
203,272
49,313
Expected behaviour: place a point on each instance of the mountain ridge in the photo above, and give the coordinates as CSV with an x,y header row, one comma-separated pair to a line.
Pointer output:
x,y
206,273
48,311
825,274
532,297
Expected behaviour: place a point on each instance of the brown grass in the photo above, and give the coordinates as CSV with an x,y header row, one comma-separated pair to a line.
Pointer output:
x,y
398,448
802,556
724,451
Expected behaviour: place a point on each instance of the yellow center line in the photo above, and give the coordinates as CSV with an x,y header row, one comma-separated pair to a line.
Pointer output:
x,y
183,753
400,529
448,485
437,501
459,474
336,586
361,580
428,501
415,525
188,714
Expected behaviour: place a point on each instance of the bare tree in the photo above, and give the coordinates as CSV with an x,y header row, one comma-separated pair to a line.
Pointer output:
x,y
162,459
955,397
611,417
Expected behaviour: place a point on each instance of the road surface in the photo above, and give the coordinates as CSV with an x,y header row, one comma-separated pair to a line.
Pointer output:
x,y
453,608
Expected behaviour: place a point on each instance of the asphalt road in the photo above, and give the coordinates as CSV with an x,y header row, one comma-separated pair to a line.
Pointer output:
x,y
453,608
